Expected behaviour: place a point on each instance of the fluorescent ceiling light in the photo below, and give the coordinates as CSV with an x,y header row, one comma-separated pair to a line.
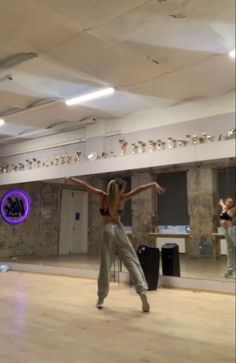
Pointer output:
x,y
2,122
90,96
232,53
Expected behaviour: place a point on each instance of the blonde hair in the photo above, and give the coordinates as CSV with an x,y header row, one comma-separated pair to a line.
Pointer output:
x,y
113,196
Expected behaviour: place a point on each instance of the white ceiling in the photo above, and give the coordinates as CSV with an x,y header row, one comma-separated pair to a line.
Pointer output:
x,y
156,53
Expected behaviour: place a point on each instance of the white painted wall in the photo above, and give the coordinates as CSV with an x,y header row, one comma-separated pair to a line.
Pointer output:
x,y
143,122
183,112
212,151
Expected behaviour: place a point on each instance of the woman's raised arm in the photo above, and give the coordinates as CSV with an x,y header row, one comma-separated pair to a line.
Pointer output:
x,y
222,203
84,185
140,189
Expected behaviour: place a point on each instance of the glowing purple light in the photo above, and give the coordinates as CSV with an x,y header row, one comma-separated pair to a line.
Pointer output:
x,y
14,196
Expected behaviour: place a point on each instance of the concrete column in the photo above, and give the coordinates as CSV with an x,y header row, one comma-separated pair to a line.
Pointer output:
x,y
142,209
94,218
202,206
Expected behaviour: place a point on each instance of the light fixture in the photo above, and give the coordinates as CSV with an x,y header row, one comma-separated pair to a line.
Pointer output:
x,y
90,96
2,122
92,156
232,53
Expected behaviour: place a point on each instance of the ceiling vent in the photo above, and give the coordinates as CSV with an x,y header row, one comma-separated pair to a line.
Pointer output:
x,y
178,16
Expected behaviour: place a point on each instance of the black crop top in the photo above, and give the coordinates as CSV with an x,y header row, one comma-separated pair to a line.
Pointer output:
x,y
224,216
105,212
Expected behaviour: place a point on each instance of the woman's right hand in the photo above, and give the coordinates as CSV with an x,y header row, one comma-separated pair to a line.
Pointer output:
x,y
68,181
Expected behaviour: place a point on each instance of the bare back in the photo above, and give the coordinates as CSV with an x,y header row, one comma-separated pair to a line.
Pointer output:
x,y
105,213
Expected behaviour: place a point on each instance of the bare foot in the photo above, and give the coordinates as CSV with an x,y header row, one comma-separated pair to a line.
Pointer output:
x,y
145,304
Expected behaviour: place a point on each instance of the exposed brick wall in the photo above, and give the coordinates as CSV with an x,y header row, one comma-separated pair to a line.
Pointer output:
x,y
39,233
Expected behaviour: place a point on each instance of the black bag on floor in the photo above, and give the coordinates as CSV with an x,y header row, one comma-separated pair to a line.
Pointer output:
x,y
149,258
170,259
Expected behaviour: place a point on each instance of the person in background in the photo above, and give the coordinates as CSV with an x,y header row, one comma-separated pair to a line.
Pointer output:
x,y
227,221
114,236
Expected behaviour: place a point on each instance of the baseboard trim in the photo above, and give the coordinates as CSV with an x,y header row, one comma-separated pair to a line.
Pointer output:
x,y
227,286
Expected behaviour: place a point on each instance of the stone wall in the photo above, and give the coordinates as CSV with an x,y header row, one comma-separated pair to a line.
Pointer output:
x,y
39,233
142,209
202,206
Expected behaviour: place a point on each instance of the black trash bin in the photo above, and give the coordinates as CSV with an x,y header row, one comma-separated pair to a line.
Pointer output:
x,y
170,259
149,258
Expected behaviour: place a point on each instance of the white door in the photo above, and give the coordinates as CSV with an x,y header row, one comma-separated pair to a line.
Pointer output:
x,y
74,222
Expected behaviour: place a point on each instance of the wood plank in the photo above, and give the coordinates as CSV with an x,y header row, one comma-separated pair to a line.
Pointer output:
x,y
47,319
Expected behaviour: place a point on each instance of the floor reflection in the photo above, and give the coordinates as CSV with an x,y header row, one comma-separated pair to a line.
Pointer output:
x,y
201,268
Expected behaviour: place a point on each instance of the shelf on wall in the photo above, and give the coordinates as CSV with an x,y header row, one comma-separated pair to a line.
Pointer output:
x,y
195,153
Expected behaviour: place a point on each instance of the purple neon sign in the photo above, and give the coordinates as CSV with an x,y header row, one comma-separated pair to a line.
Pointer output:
x,y
14,206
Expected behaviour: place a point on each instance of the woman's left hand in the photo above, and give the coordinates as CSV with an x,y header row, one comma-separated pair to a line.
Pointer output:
x,y
158,188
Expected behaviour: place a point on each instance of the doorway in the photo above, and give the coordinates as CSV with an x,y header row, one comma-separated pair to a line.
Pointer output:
x,y
74,222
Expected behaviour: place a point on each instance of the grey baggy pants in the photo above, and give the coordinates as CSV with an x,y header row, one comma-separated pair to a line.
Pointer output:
x,y
114,240
230,235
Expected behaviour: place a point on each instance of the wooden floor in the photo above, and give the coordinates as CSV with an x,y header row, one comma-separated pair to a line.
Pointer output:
x,y
51,319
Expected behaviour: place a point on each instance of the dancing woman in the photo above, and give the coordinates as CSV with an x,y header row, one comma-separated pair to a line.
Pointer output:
x,y
227,221
115,237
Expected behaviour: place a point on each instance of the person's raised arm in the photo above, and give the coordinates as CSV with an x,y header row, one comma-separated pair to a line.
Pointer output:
x,y
84,185
140,189
222,203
